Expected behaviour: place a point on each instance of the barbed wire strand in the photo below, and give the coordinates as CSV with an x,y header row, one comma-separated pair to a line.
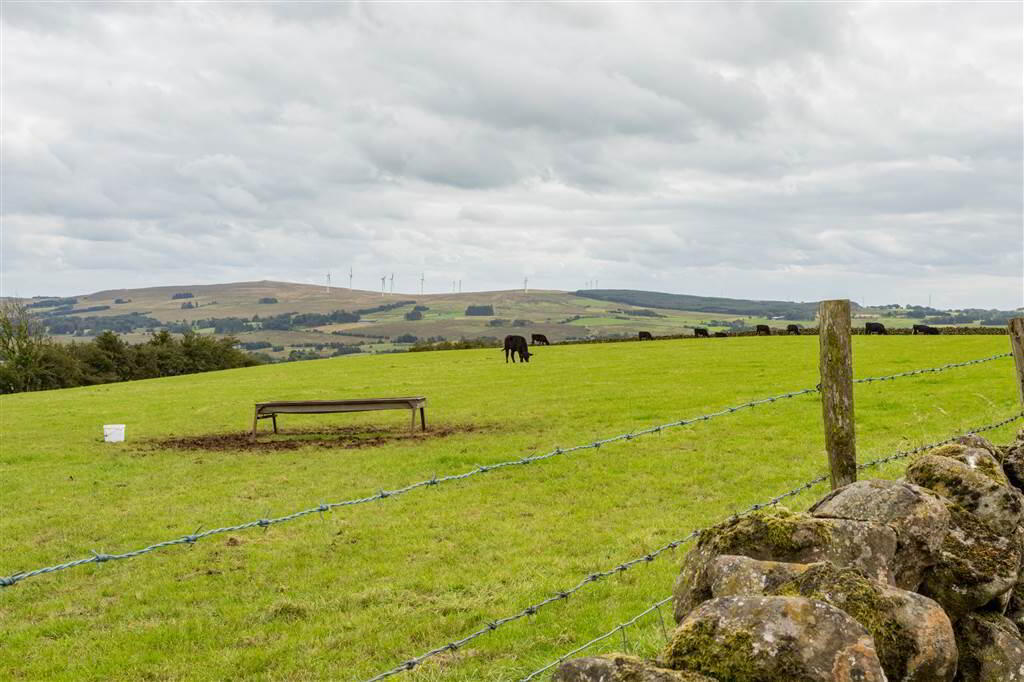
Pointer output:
x,y
658,604
927,370
600,638
597,640
191,539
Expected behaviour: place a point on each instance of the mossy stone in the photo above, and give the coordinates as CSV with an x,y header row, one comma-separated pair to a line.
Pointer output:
x,y
913,636
753,639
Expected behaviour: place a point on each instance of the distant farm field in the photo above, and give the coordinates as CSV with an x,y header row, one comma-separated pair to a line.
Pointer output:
x,y
360,589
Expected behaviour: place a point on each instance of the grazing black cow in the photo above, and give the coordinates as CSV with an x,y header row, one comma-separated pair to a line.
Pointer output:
x,y
516,344
793,329
700,331
646,336
763,330
924,329
721,335
874,328
539,339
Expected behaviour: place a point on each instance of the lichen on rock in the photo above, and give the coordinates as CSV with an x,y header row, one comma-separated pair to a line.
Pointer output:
x,y
754,639
781,535
916,514
990,649
975,488
912,634
975,565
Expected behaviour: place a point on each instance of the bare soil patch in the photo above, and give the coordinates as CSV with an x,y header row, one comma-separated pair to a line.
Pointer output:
x,y
347,437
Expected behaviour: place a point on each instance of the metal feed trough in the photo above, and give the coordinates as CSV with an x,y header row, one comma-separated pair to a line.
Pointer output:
x,y
271,410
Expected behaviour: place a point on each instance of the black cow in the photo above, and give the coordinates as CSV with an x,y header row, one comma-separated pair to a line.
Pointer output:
x,y
874,328
763,330
721,335
539,339
516,344
646,336
700,331
793,329
924,329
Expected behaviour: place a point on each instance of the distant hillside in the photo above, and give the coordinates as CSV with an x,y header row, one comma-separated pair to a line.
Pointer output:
x,y
285,320
707,304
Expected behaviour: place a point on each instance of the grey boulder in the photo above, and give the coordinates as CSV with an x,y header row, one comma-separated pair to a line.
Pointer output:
x,y
763,639
780,535
991,649
916,514
977,483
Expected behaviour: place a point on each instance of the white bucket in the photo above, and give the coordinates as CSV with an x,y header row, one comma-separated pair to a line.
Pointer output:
x,y
113,433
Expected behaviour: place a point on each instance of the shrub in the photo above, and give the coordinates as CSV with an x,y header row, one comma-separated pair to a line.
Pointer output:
x,y
406,338
267,300
183,294
480,311
414,315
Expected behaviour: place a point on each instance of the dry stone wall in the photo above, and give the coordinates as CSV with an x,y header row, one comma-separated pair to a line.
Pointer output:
x,y
917,580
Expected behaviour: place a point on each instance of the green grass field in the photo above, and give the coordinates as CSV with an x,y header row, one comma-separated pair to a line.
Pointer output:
x,y
363,588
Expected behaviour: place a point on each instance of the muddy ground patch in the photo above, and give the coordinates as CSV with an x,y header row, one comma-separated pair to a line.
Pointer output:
x,y
346,437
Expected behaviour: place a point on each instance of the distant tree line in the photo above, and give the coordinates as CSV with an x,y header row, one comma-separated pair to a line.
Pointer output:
x,y
640,313
29,361
52,303
788,310
122,324
480,310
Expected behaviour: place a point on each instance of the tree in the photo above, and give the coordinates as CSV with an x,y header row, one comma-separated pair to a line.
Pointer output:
x,y
28,360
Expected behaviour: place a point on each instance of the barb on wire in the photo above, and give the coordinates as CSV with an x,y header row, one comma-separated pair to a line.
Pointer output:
x,y
874,462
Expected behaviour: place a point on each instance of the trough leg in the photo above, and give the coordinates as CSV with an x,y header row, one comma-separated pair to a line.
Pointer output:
x,y
423,418
273,417
255,418
412,425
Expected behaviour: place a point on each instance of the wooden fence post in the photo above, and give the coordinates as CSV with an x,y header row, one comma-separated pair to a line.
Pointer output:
x,y
836,364
1016,326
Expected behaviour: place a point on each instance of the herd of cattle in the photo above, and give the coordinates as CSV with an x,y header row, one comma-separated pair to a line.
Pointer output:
x,y
516,345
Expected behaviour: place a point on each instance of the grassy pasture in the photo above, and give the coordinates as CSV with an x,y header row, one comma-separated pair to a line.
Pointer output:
x,y
363,588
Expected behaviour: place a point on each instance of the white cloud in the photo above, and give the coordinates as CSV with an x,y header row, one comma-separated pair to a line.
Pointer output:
x,y
793,150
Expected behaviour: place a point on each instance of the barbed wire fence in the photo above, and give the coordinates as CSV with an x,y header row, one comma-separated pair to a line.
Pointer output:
x,y
192,538
559,596
621,627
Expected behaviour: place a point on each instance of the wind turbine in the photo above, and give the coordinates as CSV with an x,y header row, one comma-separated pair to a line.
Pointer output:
x,y
525,289
328,282
382,278
392,284
423,277
350,279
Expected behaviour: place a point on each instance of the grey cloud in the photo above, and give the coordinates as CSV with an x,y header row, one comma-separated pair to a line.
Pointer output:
x,y
845,145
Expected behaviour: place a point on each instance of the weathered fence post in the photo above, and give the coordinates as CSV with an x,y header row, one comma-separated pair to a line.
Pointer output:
x,y
1017,348
836,366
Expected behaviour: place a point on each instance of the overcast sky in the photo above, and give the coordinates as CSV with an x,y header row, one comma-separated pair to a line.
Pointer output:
x,y
788,150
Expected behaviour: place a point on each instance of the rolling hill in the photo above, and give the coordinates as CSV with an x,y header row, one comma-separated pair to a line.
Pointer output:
x,y
301,320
